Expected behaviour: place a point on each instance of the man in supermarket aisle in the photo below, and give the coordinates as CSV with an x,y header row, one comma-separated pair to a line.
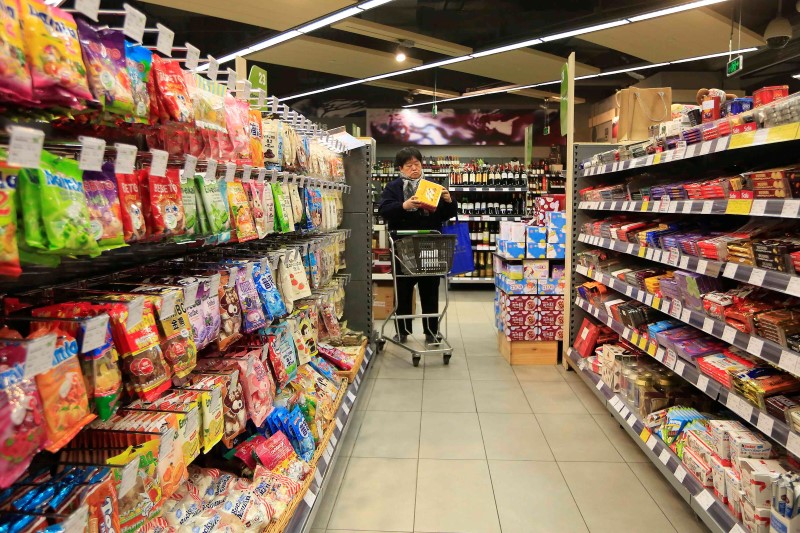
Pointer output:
x,y
403,209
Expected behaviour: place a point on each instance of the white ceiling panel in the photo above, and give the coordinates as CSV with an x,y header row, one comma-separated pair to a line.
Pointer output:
x,y
523,67
418,89
388,33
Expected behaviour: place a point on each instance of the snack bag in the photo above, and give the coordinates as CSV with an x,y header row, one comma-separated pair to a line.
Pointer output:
x,y
255,193
104,56
165,204
281,217
245,451
297,275
53,54
256,138
9,253
15,78
313,208
302,434
277,455
105,212
215,207
63,391
283,356
189,199
230,310
278,490
138,60
250,510
233,409
303,351
271,300
132,212
143,500
240,212
259,389
298,207
286,206
173,94
271,143
268,204
248,298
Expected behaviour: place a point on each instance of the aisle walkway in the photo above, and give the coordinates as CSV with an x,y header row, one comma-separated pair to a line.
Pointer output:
x,y
481,447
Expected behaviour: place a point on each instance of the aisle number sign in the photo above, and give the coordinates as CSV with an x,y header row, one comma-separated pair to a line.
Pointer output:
x,y
258,79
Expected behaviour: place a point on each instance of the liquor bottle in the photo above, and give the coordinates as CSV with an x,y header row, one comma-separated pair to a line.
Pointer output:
x,y
464,176
503,176
474,260
484,209
485,239
494,229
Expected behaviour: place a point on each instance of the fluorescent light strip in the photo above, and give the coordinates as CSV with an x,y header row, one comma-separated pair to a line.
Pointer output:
x,y
442,62
711,56
620,71
581,31
673,10
507,48
329,20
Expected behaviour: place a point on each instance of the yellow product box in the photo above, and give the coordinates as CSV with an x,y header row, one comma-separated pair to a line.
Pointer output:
x,y
429,193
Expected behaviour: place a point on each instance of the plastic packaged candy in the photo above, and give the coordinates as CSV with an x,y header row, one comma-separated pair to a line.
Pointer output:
x,y
15,78
249,508
55,212
268,204
277,455
237,122
132,213
165,204
299,287
334,356
173,94
9,252
281,216
256,137
189,199
253,315
302,434
63,391
216,210
271,300
240,212
22,431
53,54
255,194
278,490
298,206
105,213
284,360
245,451
148,372
259,389
230,311
324,368
138,61
143,499
107,73
101,498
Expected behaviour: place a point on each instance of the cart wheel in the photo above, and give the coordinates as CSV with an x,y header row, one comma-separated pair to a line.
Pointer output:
x,y
446,357
380,345
415,359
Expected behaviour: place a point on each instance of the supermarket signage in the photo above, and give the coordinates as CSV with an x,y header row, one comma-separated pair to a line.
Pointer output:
x,y
735,65
564,89
258,78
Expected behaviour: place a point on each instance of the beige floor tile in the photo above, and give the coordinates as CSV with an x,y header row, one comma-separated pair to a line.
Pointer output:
x,y
455,496
612,500
620,439
394,435
451,436
678,512
532,497
500,397
333,482
365,391
451,396
457,369
396,395
493,368
364,503
398,366
552,397
345,446
538,373
514,437
588,398
576,438
359,531
569,375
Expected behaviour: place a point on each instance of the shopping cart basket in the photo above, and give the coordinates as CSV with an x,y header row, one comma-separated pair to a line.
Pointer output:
x,y
419,254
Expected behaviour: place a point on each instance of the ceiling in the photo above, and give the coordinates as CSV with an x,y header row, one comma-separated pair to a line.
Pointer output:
x,y
365,45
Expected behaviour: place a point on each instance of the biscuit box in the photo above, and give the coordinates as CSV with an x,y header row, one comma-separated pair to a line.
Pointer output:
x,y
429,194
756,476
551,286
536,250
536,269
550,303
520,333
550,333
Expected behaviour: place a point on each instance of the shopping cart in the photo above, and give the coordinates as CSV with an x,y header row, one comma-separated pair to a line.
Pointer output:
x,y
419,254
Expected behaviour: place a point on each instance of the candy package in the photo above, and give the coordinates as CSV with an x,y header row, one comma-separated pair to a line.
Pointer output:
x,y
303,350
189,199
256,138
105,211
252,313
104,57
282,279
245,451
15,78
143,499
313,208
173,94
277,455
282,355
259,389
299,287
132,214
250,510
164,204
230,310
271,300
281,216
336,357
298,206
241,215
302,434
233,410
9,252
214,206
138,60
278,490
53,54
255,193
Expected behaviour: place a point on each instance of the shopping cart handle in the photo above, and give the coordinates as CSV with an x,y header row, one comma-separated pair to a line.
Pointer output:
x,y
415,232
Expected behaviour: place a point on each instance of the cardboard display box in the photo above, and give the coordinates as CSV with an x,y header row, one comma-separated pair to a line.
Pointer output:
x,y
383,300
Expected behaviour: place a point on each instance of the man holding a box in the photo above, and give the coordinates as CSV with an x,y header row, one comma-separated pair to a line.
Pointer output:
x,y
413,203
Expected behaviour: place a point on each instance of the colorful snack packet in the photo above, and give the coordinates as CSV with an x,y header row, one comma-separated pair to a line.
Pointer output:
x,y
138,60
256,137
281,216
9,252
286,356
173,94
259,389
104,57
271,300
302,434
105,213
241,215
132,213
53,54
216,210
15,78
278,490
166,204
255,193
252,314
189,198
230,310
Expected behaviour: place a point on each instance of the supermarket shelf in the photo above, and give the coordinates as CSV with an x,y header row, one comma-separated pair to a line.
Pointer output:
x,y
470,188
762,208
471,280
487,218
304,515
425,173
713,513
684,262
381,276
767,424
507,258
751,139
484,247
769,279
765,349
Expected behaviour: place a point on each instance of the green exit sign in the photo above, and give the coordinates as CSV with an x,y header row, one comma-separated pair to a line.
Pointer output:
x,y
735,65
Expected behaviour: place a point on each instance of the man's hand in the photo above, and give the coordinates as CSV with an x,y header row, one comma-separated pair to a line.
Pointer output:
x,y
412,203
446,196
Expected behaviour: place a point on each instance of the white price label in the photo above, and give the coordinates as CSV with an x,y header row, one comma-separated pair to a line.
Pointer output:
x,y
230,171
708,325
664,457
688,205
793,286
128,477
649,254
676,309
190,294
670,358
629,249
261,173
158,164
211,170
168,304
247,173
25,147
765,423
755,345
729,334
628,290
39,355
346,408
684,262
624,412
793,443
760,136
261,97
333,440
679,367
680,473
708,205
790,208
788,361
758,207
125,161
705,147
94,334
702,383
135,22
757,277
88,8
310,498
351,396
686,315
192,56
674,257
651,442
135,312
318,477
231,81
189,168
631,420
599,385
702,266
705,499
92,152
77,522
740,407
649,299
165,39
339,424
213,68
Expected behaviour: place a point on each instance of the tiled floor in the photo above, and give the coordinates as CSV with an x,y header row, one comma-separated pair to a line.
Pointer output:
x,y
481,447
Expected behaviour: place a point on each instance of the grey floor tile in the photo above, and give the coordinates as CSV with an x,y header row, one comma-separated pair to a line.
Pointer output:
x,y
552,397
457,369
391,435
611,499
620,439
588,398
451,436
576,438
398,366
481,347
500,397
448,396
493,368
678,512
345,445
514,437
364,503
569,375
333,483
532,497
455,496
365,391
396,395
538,373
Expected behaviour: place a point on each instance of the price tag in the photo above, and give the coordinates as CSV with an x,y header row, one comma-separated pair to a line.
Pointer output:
x,y
165,39
168,304
680,473
231,82
664,457
624,412
649,253
757,276
790,208
679,367
686,315
262,95
670,358
351,396
318,477
651,442
708,205
599,385
230,171
760,136
705,147
135,312
688,206
94,334
793,287
92,152
346,408
211,170
650,159
788,361
158,165
676,308
729,334
765,423
631,420
793,443
88,8
39,355
628,290
189,168
708,325
190,294
755,345
702,266
705,499
128,477
740,407
702,383
758,207
684,262
135,22
25,147
310,498
213,68
126,158
263,172
192,56
649,299
247,173
333,441
738,206
629,249
77,521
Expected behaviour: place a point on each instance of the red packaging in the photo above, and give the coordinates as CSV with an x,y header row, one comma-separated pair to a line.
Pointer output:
x,y
163,204
765,95
586,339
173,95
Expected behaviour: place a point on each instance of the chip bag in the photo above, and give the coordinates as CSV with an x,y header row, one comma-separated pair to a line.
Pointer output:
x,y
279,202
214,206
132,212
138,60
241,215
9,253
105,212
173,94
164,209
104,56
15,78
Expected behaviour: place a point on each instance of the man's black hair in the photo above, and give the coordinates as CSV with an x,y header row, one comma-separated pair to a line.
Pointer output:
x,y
405,155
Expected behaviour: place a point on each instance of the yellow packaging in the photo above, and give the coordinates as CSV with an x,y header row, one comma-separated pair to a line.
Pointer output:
x,y
429,194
